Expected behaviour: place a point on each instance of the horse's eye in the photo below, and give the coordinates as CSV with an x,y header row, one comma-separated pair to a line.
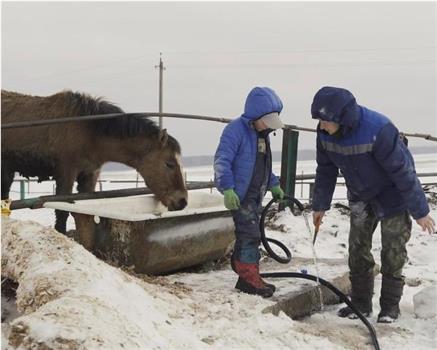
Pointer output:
x,y
170,165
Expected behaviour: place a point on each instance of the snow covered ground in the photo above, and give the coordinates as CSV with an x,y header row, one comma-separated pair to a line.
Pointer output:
x,y
69,299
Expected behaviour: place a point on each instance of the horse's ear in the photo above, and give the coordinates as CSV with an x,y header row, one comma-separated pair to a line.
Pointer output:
x,y
163,137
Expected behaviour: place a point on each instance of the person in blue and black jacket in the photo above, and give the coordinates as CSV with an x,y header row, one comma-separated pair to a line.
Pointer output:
x,y
243,173
382,187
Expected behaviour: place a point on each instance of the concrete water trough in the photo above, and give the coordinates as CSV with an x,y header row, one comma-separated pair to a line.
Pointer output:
x,y
139,231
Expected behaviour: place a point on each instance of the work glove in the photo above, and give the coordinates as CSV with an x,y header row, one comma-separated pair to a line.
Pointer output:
x,y
232,202
277,192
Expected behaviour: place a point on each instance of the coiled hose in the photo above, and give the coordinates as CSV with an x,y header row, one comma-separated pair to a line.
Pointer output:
x,y
265,241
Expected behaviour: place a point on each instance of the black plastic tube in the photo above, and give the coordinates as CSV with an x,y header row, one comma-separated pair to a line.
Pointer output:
x,y
323,282
335,290
265,241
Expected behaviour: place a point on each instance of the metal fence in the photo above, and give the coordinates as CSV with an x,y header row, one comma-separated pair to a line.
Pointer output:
x,y
296,178
302,180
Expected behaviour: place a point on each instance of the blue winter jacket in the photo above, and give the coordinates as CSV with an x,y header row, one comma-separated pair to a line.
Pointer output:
x,y
235,157
377,166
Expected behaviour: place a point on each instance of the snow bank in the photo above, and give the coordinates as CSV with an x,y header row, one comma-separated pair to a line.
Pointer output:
x,y
70,299
425,305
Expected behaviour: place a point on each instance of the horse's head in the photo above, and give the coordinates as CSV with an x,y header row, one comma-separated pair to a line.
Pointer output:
x,y
160,166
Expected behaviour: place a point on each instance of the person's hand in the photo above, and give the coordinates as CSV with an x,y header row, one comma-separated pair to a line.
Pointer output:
x,y
317,217
427,223
277,192
232,202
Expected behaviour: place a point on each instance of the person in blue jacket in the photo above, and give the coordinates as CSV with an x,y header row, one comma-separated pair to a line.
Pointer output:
x,y
243,173
382,185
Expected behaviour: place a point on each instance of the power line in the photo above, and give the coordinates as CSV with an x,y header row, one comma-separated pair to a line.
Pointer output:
x,y
273,65
251,52
97,66
139,58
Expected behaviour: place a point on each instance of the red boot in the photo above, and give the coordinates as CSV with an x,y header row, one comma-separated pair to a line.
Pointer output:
x,y
249,280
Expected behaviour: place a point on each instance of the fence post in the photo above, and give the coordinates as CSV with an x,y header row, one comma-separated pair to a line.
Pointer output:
x,y
22,190
310,199
301,186
288,163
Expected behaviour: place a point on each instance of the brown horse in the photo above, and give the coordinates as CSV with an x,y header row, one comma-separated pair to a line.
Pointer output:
x,y
77,150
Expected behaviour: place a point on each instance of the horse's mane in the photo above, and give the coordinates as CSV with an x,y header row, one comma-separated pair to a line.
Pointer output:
x,y
120,127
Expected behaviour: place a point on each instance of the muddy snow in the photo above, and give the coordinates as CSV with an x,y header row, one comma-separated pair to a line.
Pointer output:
x,y
68,299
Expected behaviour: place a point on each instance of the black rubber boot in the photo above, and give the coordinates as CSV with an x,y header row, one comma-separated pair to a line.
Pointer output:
x,y
252,288
361,296
234,267
391,293
249,280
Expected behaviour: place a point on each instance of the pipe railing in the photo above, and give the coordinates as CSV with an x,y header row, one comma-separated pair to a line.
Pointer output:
x,y
36,123
29,123
37,202
298,177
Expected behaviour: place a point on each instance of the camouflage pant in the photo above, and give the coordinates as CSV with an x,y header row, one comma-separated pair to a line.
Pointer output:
x,y
395,233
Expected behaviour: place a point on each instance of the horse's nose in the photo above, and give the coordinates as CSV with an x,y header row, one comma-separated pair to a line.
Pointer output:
x,y
182,203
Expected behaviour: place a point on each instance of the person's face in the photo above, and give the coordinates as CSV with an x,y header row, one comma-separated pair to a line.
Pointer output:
x,y
330,127
260,125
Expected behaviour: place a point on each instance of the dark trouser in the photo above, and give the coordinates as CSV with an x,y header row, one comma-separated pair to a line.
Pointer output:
x,y
395,233
247,233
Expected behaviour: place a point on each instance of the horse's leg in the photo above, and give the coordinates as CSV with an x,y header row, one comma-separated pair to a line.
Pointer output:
x,y
7,179
85,226
86,181
64,185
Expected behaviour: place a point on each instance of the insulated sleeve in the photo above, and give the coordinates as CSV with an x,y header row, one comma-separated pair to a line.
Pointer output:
x,y
326,179
274,181
223,159
395,158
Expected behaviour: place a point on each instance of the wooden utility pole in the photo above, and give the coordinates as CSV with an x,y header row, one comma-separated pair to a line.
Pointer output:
x,y
161,70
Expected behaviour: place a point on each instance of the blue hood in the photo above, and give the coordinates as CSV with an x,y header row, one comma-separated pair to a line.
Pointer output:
x,y
261,101
336,105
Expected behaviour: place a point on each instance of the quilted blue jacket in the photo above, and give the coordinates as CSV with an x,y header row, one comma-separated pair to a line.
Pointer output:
x,y
377,166
234,160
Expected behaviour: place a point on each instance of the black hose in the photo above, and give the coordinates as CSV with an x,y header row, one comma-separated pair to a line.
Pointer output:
x,y
265,241
323,282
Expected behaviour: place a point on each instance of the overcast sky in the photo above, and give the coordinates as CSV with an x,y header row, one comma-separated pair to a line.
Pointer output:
x,y
215,52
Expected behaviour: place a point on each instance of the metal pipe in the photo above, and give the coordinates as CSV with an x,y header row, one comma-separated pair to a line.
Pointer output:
x,y
37,202
157,114
28,123
298,177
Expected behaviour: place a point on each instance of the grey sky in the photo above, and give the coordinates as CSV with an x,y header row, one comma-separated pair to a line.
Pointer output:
x,y
215,52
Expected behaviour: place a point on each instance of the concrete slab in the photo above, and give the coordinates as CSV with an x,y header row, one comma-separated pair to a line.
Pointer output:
x,y
298,298
295,297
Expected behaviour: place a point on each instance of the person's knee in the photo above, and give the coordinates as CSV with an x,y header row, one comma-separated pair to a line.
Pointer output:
x,y
392,263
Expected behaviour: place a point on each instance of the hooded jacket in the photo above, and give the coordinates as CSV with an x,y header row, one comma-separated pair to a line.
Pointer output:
x,y
234,160
377,166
